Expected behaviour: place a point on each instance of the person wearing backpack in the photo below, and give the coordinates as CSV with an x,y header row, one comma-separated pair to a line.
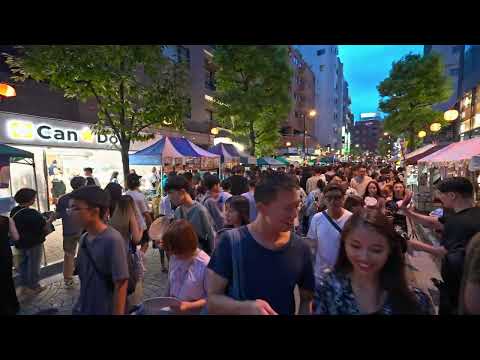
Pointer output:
x,y
255,268
102,264
326,228
33,229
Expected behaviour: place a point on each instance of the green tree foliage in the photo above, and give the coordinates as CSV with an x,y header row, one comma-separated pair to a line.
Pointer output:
x,y
385,146
415,84
137,88
252,89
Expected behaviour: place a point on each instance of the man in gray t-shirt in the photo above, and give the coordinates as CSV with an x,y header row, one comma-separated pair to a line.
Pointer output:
x,y
177,189
102,259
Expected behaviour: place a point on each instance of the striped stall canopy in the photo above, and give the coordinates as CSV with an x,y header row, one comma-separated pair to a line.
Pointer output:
x,y
168,147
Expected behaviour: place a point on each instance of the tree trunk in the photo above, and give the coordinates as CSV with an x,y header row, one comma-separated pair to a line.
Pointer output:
x,y
252,139
124,149
411,141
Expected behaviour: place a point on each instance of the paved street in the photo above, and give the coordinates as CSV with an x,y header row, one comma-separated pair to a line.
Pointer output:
x,y
56,296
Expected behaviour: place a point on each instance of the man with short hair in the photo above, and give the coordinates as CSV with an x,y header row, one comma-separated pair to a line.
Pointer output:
x,y
210,201
312,182
255,268
91,180
239,183
142,212
326,228
178,191
455,193
251,199
360,182
102,258
71,231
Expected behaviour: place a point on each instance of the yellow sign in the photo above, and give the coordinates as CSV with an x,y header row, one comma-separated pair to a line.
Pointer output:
x,y
20,130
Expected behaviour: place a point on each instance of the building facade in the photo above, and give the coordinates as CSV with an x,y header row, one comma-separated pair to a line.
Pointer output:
x,y
452,59
470,95
299,120
328,72
367,132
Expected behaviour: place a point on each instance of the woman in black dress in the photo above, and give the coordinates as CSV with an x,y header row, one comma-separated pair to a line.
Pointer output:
x,y
8,298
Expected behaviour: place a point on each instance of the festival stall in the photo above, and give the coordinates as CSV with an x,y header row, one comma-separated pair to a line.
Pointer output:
x,y
173,151
8,155
229,155
270,162
451,160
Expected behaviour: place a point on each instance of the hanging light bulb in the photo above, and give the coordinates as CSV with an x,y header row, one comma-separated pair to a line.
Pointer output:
x,y
422,134
450,115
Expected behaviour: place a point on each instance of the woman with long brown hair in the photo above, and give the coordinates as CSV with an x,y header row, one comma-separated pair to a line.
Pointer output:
x,y
370,274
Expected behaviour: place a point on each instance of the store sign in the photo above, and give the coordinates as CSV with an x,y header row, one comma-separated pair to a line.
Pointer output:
x,y
38,131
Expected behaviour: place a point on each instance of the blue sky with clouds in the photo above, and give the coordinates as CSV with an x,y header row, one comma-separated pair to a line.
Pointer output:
x,y
365,66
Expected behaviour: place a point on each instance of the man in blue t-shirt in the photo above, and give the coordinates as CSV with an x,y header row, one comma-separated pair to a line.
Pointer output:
x,y
274,261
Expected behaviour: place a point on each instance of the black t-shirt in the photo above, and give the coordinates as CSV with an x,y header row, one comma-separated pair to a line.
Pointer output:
x,y
459,228
30,224
5,251
270,275
239,184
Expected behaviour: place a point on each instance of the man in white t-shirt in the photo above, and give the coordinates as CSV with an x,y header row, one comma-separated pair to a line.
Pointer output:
x,y
325,230
360,182
142,213
312,181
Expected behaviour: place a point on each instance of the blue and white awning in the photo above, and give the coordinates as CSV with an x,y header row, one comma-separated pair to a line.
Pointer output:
x,y
168,147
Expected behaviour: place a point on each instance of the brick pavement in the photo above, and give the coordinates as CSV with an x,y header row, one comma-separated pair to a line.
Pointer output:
x,y
56,296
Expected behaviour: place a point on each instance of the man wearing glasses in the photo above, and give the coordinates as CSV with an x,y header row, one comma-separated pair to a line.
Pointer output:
x,y
325,229
102,259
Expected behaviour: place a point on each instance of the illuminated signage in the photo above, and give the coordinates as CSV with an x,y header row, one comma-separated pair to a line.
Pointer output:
x,y
22,130
368,115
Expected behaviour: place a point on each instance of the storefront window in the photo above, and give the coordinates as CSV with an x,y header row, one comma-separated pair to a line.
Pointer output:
x,y
62,164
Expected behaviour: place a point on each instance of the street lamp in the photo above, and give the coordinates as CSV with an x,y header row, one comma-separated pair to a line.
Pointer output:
x,y
312,113
288,144
450,115
7,91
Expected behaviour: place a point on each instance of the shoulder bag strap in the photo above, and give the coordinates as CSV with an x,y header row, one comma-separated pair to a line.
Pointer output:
x,y
330,220
19,211
238,291
107,278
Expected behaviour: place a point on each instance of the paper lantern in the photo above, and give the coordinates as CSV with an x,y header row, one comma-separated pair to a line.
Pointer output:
x,y
7,91
435,127
422,134
450,115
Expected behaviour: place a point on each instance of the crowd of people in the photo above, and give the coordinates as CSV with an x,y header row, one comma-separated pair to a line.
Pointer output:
x,y
242,244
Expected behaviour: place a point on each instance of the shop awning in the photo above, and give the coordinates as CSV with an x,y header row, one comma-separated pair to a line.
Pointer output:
x,y
14,154
247,159
269,161
460,153
227,152
283,160
412,157
168,147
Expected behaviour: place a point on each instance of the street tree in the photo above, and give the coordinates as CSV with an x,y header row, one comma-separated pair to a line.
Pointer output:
x,y
137,88
253,93
385,146
414,84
